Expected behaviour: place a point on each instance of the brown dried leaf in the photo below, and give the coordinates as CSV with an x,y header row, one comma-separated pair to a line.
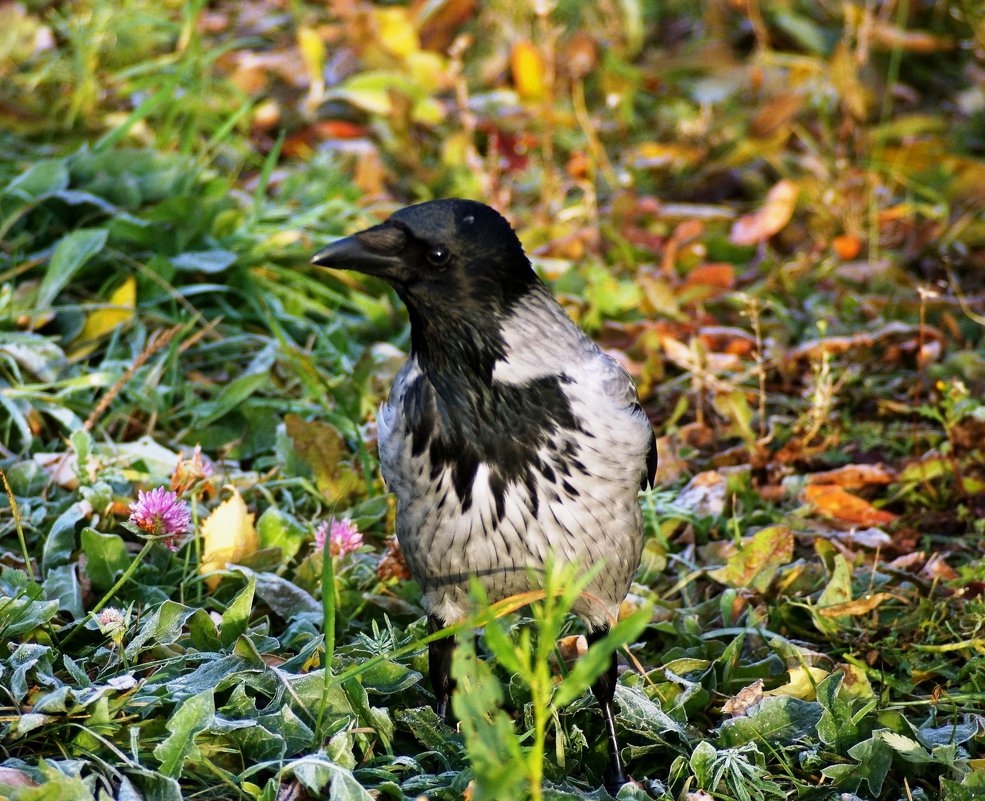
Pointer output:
x,y
854,476
770,219
440,22
744,699
393,565
775,115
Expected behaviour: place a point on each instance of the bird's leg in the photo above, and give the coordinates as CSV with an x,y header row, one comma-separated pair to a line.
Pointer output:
x,y
605,691
439,666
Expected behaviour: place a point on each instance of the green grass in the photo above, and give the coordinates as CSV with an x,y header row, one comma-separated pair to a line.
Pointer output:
x,y
775,648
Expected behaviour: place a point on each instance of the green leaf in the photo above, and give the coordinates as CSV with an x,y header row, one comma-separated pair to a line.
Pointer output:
x,y
71,253
60,542
278,529
62,584
388,677
493,747
205,261
41,179
236,618
25,613
286,598
54,786
702,764
778,719
203,631
758,559
874,757
163,627
429,730
640,714
256,375
192,717
318,771
153,785
106,557
837,591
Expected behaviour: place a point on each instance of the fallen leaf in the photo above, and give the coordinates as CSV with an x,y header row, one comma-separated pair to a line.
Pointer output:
x,y
393,565
758,560
312,50
858,606
529,71
572,646
120,309
323,449
704,494
16,778
776,115
801,683
770,219
853,476
228,536
396,32
707,281
744,699
439,22
833,501
846,247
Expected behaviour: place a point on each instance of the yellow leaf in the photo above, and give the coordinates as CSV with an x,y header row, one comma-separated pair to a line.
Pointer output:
x,y
529,71
396,31
102,321
313,54
802,682
859,606
228,535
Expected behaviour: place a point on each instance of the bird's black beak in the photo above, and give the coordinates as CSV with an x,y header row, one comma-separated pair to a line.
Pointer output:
x,y
375,251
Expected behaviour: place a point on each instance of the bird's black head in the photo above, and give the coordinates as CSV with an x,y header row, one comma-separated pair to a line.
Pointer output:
x,y
442,257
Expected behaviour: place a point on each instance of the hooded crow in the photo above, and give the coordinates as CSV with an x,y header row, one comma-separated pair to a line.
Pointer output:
x,y
509,438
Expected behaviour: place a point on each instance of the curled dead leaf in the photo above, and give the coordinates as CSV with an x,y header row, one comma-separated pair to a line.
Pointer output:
x,y
770,219
572,647
853,476
744,699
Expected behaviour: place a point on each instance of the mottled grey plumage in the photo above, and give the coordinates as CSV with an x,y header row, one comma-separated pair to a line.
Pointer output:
x,y
585,510
509,438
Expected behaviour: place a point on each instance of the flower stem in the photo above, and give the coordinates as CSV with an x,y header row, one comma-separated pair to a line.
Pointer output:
x,y
328,625
131,568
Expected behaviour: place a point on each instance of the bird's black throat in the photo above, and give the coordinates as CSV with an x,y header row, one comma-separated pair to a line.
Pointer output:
x,y
517,430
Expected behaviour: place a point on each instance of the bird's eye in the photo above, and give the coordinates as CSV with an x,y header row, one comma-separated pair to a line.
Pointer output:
x,y
439,256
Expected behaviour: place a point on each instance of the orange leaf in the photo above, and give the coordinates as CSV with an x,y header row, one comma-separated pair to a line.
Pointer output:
x,y
833,501
529,71
853,476
751,229
716,276
847,247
